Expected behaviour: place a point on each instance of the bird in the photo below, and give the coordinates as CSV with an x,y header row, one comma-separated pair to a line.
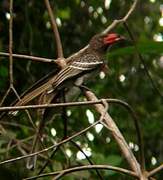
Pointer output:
x,y
78,66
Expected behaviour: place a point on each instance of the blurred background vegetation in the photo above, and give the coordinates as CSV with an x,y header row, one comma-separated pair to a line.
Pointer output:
x,y
78,21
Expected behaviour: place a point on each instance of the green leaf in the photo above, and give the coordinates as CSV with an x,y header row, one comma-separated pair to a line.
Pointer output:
x,y
64,14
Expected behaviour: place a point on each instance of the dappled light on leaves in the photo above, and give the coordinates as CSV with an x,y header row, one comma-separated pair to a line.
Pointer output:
x,y
102,75
98,128
122,78
69,113
59,22
8,16
158,37
90,136
161,21
153,161
152,1
108,140
68,152
53,132
90,116
107,4
86,150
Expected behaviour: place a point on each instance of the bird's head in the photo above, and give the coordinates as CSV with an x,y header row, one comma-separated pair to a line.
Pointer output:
x,y
102,42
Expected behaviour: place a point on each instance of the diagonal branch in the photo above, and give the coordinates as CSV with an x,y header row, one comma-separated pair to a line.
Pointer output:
x,y
116,134
122,20
88,159
55,29
155,171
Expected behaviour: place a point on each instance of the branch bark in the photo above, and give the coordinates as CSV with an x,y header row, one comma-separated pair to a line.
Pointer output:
x,y
155,171
87,167
110,124
55,29
33,58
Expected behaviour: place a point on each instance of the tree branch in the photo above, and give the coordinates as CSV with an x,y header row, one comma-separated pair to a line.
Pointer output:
x,y
87,167
34,58
55,29
11,44
116,134
81,103
156,170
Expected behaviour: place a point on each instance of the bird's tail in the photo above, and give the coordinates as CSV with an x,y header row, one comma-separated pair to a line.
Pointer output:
x,y
44,98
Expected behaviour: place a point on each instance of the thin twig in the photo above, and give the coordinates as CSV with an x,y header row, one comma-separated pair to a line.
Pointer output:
x,y
34,58
156,170
18,142
42,106
55,29
10,53
88,159
48,160
87,167
11,44
82,103
122,20
5,96
15,125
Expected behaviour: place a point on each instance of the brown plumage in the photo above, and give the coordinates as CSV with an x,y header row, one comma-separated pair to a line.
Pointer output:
x,y
78,64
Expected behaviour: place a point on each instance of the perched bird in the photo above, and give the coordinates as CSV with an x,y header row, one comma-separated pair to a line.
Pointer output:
x,y
78,65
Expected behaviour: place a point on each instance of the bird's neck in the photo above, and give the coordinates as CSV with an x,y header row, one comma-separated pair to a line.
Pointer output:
x,y
86,50
99,52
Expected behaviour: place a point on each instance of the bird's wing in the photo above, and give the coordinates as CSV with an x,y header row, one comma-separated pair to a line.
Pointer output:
x,y
78,66
83,65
